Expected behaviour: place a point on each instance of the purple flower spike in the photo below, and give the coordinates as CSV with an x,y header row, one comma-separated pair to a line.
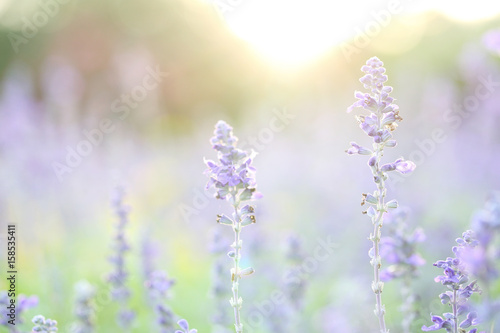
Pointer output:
x,y
233,178
378,122
460,289
234,169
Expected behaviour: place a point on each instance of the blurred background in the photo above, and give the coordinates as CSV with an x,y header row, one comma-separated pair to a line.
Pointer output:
x,y
95,94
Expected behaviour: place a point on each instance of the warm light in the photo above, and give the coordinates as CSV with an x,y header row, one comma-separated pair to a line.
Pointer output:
x,y
288,32
291,33
462,10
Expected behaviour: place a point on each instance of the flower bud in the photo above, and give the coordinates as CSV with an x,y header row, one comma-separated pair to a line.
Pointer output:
x,y
223,219
249,219
247,271
392,204
391,143
247,210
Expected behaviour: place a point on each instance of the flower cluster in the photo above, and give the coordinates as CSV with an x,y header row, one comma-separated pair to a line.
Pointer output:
x,y
294,286
118,278
159,286
44,325
398,249
185,327
456,278
234,171
383,116
233,178
84,308
482,261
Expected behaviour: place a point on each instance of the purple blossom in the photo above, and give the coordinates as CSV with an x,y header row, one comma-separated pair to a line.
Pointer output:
x,y
378,124
233,178
44,325
118,277
23,303
84,308
439,323
234,170
185,327
357,149
158,286
456,278
491,41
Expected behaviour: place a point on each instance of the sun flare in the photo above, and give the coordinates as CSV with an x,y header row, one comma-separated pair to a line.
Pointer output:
x,y
293,33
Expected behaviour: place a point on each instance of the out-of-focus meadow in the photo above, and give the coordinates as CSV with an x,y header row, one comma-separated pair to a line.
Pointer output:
x,y
65,82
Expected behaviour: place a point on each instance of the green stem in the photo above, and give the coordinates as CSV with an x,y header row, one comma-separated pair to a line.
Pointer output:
x,y
236,302
377,225
455,311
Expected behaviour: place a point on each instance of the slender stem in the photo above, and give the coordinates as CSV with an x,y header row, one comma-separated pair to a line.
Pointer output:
x,y
377,225
235,275
455,311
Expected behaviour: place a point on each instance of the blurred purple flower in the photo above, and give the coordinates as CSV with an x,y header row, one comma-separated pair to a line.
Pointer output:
x,y
23,303
118,277
439,323
185,327
491,41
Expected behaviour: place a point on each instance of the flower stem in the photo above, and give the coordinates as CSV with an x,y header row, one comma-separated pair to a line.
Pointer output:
x,y
455,311
377,225
236,301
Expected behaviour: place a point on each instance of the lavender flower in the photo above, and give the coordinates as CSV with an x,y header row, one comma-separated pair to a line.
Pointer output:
x,y
118,278
287,315
491,41
23,303
399,250
233,178
84,308
295,289
44,325
482,260
159,286
381,120
149,251
185,327
460,289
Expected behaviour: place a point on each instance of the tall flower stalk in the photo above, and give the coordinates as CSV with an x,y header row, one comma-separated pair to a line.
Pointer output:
x,y
233,178
398,249
84,308
118,277
378,125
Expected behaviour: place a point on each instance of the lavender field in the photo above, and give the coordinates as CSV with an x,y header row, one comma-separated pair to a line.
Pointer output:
x,y
247,166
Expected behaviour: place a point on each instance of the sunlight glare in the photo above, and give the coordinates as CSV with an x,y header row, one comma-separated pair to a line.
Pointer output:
x,y
294,33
